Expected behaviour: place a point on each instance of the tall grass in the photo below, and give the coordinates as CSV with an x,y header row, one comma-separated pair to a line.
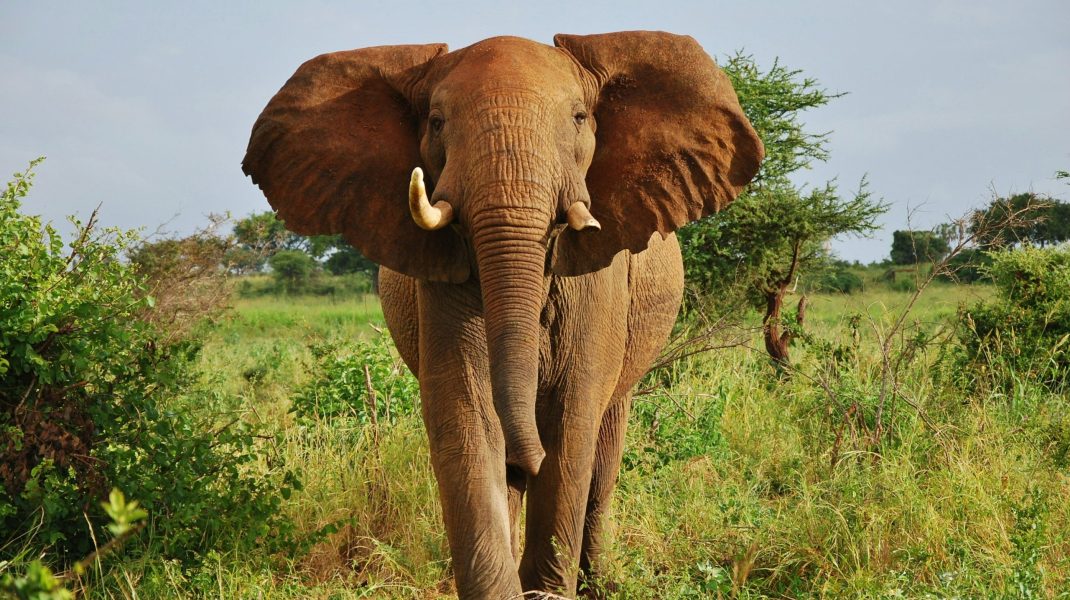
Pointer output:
x,y
727,488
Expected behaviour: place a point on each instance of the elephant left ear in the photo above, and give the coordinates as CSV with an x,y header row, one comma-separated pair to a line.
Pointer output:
x,y
672,143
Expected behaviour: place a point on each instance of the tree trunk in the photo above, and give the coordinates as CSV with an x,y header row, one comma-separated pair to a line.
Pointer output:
x,y
777,342
777,339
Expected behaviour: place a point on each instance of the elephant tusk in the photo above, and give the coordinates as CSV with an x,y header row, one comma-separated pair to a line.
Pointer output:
x,y
580,219
426,216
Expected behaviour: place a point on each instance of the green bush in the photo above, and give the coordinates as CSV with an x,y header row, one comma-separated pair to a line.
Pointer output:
x,y
347,284
968,266
293,270
92,396
672,433
840,280
36,583
339,387
319,284
1025,331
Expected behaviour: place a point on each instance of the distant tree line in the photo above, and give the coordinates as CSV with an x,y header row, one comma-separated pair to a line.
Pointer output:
x,y
1047,224
263,244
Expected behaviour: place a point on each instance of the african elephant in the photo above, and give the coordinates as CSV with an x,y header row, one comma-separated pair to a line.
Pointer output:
x,y
533,277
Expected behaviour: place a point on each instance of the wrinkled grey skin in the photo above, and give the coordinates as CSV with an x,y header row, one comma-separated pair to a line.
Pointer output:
x,y
582,342
526,335
597,335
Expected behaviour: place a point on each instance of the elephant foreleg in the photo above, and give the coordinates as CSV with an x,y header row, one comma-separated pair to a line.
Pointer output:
x,y
587,319
466,441
557,498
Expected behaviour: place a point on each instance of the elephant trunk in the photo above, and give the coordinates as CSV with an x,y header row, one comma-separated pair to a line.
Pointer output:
x,y
511,259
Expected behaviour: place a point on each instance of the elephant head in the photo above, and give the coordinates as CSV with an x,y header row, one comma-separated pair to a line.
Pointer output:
x,y
537,159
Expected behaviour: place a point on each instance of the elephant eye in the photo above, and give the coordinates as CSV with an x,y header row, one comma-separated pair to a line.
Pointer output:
x,y
580,117
436,122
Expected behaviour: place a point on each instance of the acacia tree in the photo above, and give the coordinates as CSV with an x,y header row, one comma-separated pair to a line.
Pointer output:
x,y
911,247
262,235
758,247
1050,222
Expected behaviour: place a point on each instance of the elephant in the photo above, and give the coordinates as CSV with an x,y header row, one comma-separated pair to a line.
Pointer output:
x,y
521,200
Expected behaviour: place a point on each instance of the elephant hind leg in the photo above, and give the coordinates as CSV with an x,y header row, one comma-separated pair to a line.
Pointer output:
x,y
397,295
607,461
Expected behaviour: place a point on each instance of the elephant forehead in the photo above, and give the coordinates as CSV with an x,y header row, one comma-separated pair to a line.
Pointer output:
x,y
511,62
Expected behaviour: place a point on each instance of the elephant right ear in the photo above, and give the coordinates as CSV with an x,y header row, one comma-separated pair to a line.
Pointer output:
x,y
672,143
333,152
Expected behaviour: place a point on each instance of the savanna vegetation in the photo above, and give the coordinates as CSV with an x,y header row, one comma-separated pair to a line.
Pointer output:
x,y
223,415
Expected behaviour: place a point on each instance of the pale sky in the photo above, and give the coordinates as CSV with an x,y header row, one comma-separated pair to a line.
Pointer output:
x,y
146,107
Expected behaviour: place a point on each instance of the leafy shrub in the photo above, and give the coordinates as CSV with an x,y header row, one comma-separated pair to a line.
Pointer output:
x,y
292,270
36,583
93,396
1028,539
674,432
1026,329
968,266
340,385
186,277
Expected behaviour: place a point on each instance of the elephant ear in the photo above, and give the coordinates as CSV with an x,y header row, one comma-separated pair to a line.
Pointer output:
x,y
333,152
672,143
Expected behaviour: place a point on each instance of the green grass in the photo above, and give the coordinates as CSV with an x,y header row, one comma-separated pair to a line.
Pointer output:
x,y
286,317
728,490
264,341
878,303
